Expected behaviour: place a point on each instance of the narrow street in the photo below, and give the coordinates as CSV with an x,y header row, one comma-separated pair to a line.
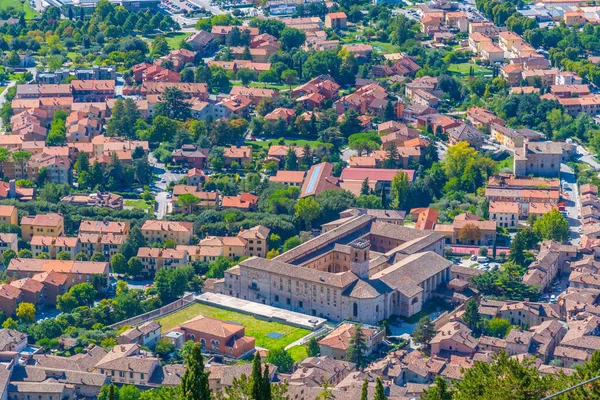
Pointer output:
x,y
569,187
165,176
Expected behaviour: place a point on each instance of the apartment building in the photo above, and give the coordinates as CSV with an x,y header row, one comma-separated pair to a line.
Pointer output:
x,y
158,231
42,225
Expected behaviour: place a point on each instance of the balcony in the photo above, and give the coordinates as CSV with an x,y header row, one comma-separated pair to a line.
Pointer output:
x,y
254,287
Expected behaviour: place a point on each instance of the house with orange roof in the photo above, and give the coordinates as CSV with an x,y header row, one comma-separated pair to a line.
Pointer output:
x,y
237,105
206,199
254,94
238,154
216,336
289,178
424,218
51,224
336,344
505,213
76,271
257,240
287,114
220,31
32,291
54,283
156,231
195,177
512,74
9,215
476,40
52,246
243,201
93,90
10,297
336,20
479,117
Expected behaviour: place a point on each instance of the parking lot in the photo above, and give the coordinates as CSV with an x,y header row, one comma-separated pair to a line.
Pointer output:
x,y
178,6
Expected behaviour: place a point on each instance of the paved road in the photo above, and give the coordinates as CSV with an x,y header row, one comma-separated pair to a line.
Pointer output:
x,y
3,99
162,202
569,184
587,157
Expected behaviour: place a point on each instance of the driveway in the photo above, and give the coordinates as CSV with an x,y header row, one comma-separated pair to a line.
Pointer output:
x,y
165,177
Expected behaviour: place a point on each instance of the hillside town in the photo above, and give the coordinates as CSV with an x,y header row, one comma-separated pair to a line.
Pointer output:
x,y
299,199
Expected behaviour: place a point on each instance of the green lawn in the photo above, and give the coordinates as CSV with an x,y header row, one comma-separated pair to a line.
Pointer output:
x,y
262,85
464,69
256,328
386,48
298,353
140,204
173,39
30,13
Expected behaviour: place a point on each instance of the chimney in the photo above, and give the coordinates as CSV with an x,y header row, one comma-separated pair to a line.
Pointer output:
x,y
12,189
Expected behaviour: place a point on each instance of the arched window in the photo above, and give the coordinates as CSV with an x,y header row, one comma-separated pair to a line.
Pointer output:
x,y
203,343
254,283
355,310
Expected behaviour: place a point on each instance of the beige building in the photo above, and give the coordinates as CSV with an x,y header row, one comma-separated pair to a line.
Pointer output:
x,y
364,280
257,240
9,215
154,259
539,159
505,213
43,225
158,231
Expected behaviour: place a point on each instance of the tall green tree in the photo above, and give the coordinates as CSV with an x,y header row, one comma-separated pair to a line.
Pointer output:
x,y
266,384
471,315
194,382
379,390
312,348
358,348
364,393
439,391
424,332
553,226
400,187
256,377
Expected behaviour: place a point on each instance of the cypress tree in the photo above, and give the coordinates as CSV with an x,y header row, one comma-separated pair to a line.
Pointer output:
x,y
364,395
364,189
256,378
194,382
111,392
379,392
266,384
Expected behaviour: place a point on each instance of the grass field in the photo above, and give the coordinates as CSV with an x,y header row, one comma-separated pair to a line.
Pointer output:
x,y
386,48
173,39
139,204
464,69
256,328
30,13
262,85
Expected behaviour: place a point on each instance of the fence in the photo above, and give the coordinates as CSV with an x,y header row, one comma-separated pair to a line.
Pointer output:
x,y
159,312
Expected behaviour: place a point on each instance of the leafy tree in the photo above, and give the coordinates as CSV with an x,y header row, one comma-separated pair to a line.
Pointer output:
x,y
10,324
392,158
439,391
291,38
26,313
25,253
187,201
400,186
98,257
159,47
358,347
174,105
119,264
312,347
291,160
289,76
7,256
307,209
172,283
134,266
164,347
553,226
81,256
424,332
282,359
457,158
471,315
469,233
504,377
292,242
497,327
63,255
194,382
